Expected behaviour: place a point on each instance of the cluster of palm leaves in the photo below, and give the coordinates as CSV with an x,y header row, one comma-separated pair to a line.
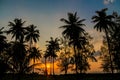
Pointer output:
x,y
17,54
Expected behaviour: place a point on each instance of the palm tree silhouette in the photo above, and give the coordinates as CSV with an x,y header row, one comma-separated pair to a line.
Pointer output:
x,y
20,57
32,34
64,55
3,45
52,48
16,29
104,23
73,31
46,56
115,36
35,54
3,42
17,54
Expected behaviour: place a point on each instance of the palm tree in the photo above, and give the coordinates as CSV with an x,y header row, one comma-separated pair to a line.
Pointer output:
x,y
17,53
65,55
35,54
3,42
105,57
85,51
104,23
52,48
32,34
73,30
46,56
3,45
16,29
115,41
64,62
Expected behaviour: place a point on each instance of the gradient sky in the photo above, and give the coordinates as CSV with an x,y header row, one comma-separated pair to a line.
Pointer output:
x,y
46,15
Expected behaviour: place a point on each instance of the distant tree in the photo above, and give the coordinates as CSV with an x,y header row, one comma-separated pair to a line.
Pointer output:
x,y
104,23
105,57
86,53
73,31
64,62
35,54
52,48
65,56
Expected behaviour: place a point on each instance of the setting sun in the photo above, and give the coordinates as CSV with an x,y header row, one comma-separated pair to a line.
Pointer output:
x,y
48,65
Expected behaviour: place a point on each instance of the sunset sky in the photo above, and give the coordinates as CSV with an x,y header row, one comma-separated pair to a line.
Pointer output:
x,y
46,15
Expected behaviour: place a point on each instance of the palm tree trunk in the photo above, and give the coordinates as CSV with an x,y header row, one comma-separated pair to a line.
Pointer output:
x,y
76,64
53,66
66,68
45,67
30,53
108,43
33,63
30,44
50,64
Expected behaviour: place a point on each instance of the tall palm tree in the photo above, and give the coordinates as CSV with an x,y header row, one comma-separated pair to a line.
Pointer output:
x,y
103,22
35,54
32,34
16,29
52,48
73,30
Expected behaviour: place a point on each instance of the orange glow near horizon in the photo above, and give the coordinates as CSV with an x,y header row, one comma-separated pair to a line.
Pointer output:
x,y
94,67
48,65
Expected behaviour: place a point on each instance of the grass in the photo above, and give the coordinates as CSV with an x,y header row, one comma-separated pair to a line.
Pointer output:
x,y
62,77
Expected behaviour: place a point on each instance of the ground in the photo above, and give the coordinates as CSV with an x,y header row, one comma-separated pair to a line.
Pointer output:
x,y
62,77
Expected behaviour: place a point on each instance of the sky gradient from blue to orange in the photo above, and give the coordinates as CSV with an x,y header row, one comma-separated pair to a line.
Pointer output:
x,y
46,15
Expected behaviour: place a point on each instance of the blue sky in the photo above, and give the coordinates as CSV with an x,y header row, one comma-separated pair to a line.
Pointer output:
x,y
46,14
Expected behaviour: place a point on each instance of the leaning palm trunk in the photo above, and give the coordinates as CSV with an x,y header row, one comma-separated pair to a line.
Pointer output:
x,y
108,43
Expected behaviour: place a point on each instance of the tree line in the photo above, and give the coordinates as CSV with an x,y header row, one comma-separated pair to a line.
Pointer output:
x,y
74,47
